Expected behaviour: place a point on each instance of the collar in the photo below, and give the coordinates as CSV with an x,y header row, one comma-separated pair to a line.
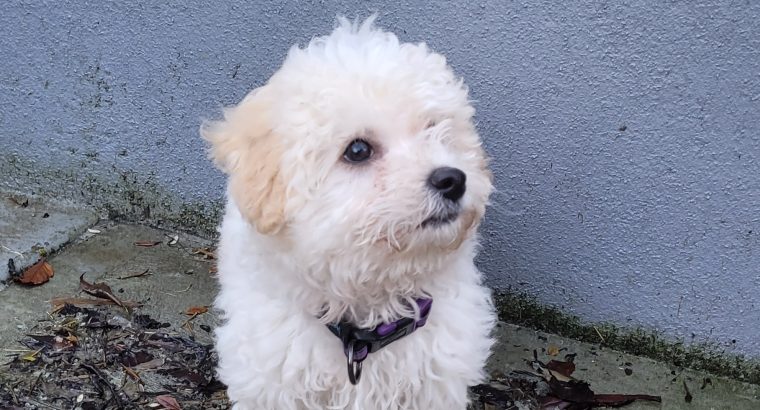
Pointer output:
x,y
359,343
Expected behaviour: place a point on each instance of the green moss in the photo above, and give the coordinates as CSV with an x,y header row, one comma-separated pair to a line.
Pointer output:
x,y
120,195
200,218
521,309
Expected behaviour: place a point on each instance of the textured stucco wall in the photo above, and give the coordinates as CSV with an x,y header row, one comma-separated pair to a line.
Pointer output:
x,y
625,138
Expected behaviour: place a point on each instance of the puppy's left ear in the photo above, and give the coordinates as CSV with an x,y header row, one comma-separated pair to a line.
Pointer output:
x,y
244,146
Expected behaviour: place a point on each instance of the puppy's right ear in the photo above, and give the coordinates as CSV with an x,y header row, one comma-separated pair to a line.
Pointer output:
x,y
244,146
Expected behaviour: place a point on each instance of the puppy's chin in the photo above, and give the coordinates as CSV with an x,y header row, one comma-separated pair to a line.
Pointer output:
x,y
443,233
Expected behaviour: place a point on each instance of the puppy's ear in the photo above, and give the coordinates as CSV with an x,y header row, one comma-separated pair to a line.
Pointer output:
x,y
244,146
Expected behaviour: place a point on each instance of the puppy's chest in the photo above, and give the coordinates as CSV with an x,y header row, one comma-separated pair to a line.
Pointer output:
x,y
327,357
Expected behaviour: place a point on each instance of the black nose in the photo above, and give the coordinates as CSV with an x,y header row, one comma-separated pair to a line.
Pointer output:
x,y
450,182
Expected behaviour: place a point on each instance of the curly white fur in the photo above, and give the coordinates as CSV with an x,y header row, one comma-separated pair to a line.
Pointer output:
x,y
308,238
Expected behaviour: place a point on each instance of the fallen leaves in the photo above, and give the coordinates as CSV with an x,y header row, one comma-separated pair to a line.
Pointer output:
x,y
193,312
99,290
560,368
565,390
552,350
168,402
196,310
31,356
103,293
36,274
115,357
550,386
207,253
55,343
149,365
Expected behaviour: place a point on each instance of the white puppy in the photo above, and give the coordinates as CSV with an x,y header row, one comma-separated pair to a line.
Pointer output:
x,y
357,182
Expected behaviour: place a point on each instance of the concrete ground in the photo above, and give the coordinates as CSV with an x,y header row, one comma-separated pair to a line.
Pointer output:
x,y
30,225
610,371
178,278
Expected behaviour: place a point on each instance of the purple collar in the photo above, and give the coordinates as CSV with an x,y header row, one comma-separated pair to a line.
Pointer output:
x,y
359,343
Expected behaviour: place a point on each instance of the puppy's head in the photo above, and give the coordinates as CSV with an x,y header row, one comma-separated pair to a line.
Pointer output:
x,y
358,145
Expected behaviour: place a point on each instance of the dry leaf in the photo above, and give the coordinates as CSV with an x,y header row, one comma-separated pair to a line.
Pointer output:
x,y
618,400
134,275
547,373
36,274
566,391
173,239
133,374
563,368
552,350
62,343
151,364
93,231
196,310
207,253
31,356
576,391
100,290
168,402
147,244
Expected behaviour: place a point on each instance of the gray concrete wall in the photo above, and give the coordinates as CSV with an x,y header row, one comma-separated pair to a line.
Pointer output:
x,y
625,138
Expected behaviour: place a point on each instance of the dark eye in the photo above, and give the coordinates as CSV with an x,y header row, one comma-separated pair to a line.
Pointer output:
x,y
358,151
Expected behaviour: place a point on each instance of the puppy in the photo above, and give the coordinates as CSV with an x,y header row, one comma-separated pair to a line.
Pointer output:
x,y
356,185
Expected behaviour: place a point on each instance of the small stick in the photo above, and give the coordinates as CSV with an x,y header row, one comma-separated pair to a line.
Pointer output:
x,y
134,275
600,334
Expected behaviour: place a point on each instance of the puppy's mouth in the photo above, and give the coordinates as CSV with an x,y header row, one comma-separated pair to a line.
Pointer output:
x,y
440,219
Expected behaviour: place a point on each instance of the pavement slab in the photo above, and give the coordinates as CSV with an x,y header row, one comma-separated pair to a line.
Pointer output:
x,y
611,371
30,225
176,279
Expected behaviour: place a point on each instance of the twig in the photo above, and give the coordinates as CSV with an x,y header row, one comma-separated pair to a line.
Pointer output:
x,y
13,392
132,374
183,291
102,380
21,255
173,293
99,290
600,334
37,380
134,275
207,253
189,319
